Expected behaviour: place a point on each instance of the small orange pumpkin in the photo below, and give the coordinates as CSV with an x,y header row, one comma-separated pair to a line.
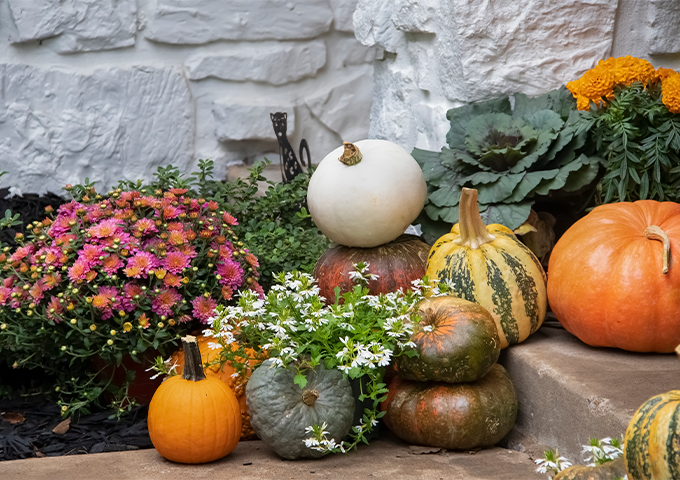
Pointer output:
x,y
194,418
614,280
224,371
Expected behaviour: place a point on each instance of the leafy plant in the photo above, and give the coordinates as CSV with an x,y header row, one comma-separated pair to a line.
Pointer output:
x,y
512,155
640,141
294,326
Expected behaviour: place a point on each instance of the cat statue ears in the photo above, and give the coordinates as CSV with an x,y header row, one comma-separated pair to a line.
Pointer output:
x,y
290,165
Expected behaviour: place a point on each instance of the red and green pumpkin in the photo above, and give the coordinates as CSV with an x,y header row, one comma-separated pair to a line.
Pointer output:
x,y
456,341
460,416
396,263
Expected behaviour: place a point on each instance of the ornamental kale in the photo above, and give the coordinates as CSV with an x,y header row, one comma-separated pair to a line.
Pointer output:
x,y
511,155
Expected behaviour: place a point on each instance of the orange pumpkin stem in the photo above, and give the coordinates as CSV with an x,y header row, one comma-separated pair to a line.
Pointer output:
x,y
351,155
193,367
655,233
473,232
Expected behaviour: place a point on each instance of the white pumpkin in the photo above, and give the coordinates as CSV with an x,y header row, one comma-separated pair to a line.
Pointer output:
x,y
366,194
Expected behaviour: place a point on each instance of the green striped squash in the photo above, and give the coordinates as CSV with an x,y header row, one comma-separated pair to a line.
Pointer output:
x,y
653,439
489,266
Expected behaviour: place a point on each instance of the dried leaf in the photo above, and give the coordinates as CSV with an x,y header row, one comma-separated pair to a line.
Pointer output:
x,y
12,417
418,450
63,427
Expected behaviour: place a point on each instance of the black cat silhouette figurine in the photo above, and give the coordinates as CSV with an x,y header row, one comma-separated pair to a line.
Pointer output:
x,y
290,166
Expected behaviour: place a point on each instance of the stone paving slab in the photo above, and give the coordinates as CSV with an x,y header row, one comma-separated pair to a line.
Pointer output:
x,y
569,392
386,458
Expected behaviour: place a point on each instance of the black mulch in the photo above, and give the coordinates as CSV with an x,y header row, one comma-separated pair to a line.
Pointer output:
x,y
30,206
94,433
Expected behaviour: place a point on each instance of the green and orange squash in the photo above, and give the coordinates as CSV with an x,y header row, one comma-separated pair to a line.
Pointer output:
x,y
459,416
490,266
396,264
456,341
614,280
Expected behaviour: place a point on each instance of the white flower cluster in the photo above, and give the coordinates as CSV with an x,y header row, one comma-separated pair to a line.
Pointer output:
x,y
601,451
296,306
552,464
319,441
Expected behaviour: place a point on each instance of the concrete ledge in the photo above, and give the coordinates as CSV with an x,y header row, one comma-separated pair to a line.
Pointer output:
x,y
569,392
387,458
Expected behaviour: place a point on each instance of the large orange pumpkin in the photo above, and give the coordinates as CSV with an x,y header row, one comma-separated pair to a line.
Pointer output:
x,y
193,418
612,280
224,372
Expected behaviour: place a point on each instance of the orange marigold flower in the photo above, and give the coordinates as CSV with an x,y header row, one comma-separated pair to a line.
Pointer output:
x,y
670,93
595,83
627,70
664,73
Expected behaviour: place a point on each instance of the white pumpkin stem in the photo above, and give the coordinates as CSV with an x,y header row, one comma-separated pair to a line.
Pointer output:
x,y
655,233
473,232
351,155
193,366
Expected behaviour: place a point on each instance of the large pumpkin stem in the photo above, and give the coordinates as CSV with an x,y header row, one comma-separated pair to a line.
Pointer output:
x,y
473,232
351,155
655,233
309,397
193,367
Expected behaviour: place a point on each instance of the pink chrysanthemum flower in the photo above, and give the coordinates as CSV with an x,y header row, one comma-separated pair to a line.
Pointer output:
x,y
128,301
231,273
178,191
36,291
51,280
229,219
252,260
184,319
172,280
163,303
204,308
78,270
227,292
104,228
175,262
90,254
140,264
112,264
54,309
145,226
171,212
225,251
62,225
257,288
22,252
177,237
4,294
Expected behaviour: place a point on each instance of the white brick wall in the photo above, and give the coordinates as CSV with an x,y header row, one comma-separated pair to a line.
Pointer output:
x,y
110,89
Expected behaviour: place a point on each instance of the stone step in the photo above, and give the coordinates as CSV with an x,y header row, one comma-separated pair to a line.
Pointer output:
x,y
386,458
570,392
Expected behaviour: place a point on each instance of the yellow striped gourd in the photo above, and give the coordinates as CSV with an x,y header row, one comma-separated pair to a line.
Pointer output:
x,y
489,266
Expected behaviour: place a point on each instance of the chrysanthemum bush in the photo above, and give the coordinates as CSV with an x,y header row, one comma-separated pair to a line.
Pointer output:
x,y
294,326
126,273
631,112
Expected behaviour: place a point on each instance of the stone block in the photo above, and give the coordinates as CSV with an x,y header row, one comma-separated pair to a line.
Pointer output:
x,y
277,63
78,25
349,51
113,124
570,392
344,108
343,11
664,26
241,121
203,21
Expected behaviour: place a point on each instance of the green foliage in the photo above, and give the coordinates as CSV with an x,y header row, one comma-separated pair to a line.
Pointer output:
x,y
512,156
640,141
294,327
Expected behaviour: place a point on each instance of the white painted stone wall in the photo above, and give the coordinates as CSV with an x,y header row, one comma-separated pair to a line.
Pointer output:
x,y
111,89
441,54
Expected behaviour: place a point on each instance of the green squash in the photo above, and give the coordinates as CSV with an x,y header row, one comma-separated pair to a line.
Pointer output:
x,y
460,416
607,471
280,410
456,340
653,439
